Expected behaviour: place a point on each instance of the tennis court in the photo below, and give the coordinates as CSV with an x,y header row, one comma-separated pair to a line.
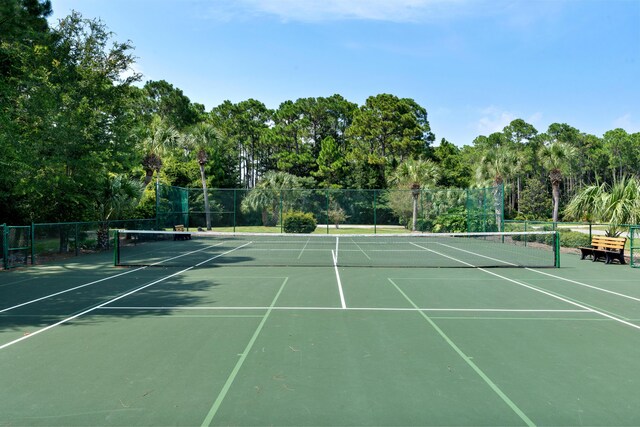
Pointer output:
x,y
334,331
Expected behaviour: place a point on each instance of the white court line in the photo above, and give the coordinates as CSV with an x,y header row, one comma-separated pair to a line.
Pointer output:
x,y
227,385
100,280
585,285
477,254
549,274
75,316
335,266
469,360
305,246
356,243
467,310
533,288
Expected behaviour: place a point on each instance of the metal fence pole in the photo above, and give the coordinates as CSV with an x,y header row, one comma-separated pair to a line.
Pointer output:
x,y
5,251
33,243
235,201
327,196
375,213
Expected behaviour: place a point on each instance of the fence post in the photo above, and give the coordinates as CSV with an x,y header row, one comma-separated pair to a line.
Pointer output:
x,y
235,202
5,254
78,241
327,216
33,243
468,211
281,210
375,213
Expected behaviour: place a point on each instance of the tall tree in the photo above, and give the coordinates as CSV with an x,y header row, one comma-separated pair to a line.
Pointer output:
x,y
200,138
389,129
156,141
454,171
417,175
556,159
498,164
266,196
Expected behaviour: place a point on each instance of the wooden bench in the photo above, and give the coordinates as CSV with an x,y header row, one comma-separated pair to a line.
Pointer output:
x,y
609,248
182,233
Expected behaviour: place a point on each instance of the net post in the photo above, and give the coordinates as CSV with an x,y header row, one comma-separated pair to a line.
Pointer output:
x,y
501,228
157,204
116,247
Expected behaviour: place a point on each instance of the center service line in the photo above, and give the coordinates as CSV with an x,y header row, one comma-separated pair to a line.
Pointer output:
x,y
335,266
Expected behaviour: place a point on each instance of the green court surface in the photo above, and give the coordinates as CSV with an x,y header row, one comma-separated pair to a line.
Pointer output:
x,y
86,343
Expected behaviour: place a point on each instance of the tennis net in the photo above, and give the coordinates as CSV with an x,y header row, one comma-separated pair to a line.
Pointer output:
x,y
200,249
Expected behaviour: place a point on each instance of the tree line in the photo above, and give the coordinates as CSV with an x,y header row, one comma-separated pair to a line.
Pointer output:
x,y
81,139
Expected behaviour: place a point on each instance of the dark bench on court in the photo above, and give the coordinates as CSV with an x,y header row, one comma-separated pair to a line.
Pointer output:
x,y
609,248
181,234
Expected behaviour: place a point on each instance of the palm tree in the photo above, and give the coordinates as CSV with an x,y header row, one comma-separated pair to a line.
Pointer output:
x,y
199,139
266,195
497,165
556,159
158,139
617,204
417,174
117,197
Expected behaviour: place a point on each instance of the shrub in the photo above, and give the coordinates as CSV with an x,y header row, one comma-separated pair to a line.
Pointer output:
x,y
453,221
574,239
299,222
424,225
337,215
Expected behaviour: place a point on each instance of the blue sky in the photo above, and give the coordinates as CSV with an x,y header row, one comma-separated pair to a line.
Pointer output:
x,y
475,65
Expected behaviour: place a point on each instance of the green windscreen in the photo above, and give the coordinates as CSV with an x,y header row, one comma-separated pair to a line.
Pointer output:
x,y
437,210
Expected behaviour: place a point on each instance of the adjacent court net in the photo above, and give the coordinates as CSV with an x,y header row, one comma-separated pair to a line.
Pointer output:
x,y
201,249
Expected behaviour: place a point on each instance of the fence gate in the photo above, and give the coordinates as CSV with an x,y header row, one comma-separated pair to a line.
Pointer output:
x,y
634,246
16,246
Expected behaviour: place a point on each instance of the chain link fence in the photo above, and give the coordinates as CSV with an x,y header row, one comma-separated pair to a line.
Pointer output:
x,y
371,211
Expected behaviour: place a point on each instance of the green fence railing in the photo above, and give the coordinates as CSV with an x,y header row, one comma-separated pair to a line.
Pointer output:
x,y
64,239
438,210
16,246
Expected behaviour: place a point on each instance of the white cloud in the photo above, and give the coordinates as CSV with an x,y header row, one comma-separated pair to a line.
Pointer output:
x,y
627,123
495,119
331,10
